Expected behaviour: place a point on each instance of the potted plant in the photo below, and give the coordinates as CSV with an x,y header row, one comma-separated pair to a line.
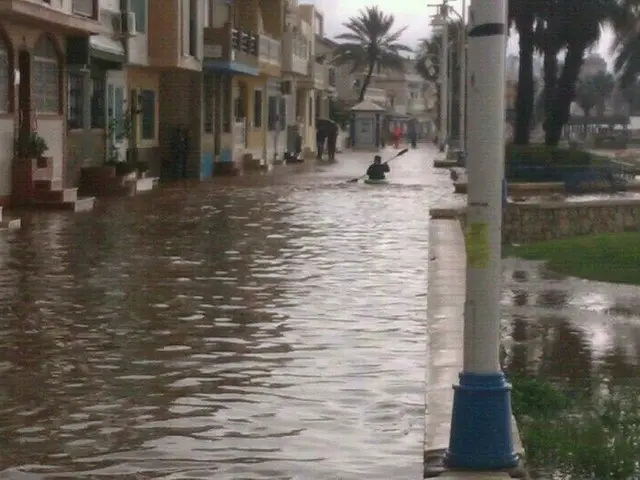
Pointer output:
x,y
29,150
30,146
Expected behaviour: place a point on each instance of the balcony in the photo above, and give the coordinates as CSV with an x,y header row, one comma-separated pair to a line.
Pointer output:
x,y
231,49
269,55
295,57
84,8
60,17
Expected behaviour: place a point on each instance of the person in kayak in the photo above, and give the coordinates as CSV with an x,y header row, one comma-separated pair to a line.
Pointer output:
x,y
377,169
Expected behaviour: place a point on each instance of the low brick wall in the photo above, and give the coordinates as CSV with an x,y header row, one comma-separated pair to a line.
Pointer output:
x,y
535,222
528,223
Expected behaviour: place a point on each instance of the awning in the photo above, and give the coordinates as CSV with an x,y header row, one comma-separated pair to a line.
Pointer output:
x,y
107,49
223,66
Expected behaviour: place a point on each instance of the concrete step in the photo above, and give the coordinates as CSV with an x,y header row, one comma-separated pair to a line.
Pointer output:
x,y
65,195
84,204
9,223
40,185
146,184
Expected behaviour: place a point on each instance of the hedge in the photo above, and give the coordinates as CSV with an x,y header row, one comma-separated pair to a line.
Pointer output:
x,y
539,163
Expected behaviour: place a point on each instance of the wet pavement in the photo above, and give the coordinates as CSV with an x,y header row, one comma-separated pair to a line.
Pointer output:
x,y
260,327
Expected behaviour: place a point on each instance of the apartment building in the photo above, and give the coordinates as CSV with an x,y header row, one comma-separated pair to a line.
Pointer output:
x,y
37,37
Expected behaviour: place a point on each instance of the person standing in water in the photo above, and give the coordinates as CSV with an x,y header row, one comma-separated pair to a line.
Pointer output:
x,y
377,169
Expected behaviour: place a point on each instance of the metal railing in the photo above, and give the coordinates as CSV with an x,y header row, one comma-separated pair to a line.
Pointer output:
x,y
84,8
244,42
269,49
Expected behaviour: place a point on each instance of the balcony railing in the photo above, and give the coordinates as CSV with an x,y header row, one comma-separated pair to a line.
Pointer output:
x,y
244,42
295,57
231,44
270,50
84,8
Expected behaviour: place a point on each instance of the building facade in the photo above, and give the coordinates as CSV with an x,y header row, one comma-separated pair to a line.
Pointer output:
x,y
37,41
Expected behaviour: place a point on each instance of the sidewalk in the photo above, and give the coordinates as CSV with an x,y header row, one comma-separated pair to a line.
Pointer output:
x,y
446,294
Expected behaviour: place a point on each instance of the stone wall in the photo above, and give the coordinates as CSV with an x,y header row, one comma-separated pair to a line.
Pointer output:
x,y
528,223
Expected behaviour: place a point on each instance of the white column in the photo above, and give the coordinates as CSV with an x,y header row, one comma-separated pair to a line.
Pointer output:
x,y
444,80
481,435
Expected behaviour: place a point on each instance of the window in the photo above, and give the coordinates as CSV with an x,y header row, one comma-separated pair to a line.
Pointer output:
x,y
226,104
4,77
272,113
193,28
283,113
207,108
46,76
139,8
74,108
257,108
148,114
98,97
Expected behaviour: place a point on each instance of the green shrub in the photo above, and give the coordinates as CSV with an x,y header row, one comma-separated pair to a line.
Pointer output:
x,y
539,163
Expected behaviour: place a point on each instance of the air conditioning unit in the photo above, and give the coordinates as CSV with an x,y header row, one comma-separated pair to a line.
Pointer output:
x,y
131,24
123,24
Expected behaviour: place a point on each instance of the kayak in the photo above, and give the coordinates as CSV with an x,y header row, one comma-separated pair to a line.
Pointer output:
x,y
370,181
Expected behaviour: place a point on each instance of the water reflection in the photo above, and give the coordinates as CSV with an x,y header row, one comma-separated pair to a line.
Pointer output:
x,y
268,329
575,330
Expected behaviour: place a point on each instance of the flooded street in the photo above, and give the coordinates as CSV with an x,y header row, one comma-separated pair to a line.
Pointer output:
x,y
265,327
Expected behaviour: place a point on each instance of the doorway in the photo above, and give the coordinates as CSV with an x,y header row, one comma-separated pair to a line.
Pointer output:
x,y
24,93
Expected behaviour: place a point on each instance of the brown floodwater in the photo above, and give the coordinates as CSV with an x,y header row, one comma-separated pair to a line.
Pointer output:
x,y
265,327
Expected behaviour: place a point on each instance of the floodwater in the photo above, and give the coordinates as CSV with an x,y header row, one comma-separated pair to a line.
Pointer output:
x,y
265,327
569,329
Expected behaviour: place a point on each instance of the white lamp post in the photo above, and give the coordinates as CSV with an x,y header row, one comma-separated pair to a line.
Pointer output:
x,y
481,435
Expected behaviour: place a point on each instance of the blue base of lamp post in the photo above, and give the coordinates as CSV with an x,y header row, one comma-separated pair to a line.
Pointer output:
x,y
481,434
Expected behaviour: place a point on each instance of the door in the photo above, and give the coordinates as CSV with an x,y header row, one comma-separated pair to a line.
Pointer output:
x,y
116,123
24,93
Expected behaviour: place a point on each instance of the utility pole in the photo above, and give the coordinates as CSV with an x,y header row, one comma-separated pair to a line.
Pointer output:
x,y
481,433
462,91
444,77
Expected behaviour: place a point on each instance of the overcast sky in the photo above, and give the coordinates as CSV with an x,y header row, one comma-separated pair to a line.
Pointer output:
x,y
412,13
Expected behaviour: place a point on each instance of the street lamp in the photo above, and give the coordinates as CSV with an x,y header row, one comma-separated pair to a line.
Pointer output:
x,y
442,20
481,435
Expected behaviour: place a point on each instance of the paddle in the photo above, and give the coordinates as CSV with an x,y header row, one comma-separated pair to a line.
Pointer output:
x,y
399,154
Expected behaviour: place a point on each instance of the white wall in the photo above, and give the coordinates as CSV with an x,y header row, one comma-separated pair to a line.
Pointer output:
x,y
52,130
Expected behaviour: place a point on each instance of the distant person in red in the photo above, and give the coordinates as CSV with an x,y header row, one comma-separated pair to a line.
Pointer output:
x,y
397,133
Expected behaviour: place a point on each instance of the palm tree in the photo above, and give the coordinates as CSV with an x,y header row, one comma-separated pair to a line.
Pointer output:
x,y
586,96
522,14
581,22
370,44
427,64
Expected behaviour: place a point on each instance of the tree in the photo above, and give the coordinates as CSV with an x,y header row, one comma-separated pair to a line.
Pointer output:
x,y
427,64
522,14
580,23
586,96
370,44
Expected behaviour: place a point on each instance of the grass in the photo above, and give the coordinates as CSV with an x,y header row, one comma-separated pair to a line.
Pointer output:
x,y
572,434
611,257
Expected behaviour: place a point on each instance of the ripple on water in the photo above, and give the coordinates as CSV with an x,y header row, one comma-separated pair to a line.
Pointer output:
x,y
267,329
